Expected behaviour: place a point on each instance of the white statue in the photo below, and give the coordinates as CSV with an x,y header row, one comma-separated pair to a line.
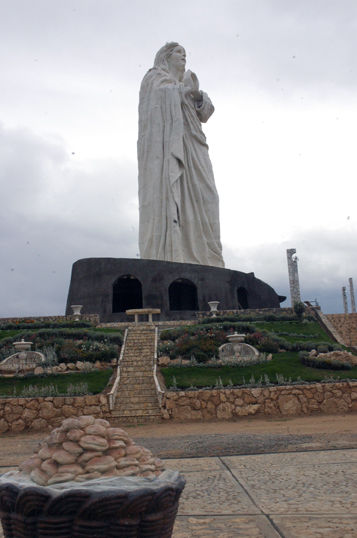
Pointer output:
x,y
178,200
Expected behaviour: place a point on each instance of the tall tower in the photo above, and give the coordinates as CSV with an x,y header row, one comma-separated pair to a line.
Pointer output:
x,y
293,276
344,299
352,294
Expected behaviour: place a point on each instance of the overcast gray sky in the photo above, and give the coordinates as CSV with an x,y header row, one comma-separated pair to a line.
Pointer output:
x,y
282,76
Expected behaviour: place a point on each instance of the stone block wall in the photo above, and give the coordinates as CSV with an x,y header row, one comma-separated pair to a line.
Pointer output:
x,y
228,404
346,326
277,311
40,414
92,318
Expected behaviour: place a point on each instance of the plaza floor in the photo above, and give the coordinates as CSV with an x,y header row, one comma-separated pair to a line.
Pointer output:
x,y
251,479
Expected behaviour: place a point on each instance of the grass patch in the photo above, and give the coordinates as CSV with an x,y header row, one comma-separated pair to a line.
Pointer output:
x,y
96,382
311,330
285,364
8,333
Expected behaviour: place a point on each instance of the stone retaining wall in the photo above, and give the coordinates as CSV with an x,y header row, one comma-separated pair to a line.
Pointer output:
x,y
39,414
263,311
92,318
227,404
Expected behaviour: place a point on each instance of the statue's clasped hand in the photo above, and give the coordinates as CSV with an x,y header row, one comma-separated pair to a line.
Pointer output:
x,y
191,85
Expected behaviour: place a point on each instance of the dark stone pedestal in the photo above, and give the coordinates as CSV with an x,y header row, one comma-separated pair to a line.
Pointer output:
x,y
109,286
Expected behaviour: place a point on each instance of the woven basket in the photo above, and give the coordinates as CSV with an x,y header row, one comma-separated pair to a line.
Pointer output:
x,y
39,512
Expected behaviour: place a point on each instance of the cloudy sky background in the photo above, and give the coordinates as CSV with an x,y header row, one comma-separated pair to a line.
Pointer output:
x,y
282,76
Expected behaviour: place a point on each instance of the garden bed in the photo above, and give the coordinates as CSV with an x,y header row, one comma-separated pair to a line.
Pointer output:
x,y
71,384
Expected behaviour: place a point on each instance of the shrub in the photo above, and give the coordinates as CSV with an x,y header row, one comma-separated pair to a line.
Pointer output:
x,y
203,344
263,342
327,364
68,345
299,309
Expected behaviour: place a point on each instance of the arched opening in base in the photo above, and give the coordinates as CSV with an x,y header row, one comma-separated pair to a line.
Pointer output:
x,y
127,293
183,295
242,296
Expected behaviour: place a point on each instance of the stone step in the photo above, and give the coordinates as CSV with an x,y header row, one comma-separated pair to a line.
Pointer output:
x,y
133,376
142,393
120,421
133,370
136,412
137,400
136,384
139,390
137,409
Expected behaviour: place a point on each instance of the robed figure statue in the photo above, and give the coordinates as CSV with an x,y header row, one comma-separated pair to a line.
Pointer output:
x,y
178,200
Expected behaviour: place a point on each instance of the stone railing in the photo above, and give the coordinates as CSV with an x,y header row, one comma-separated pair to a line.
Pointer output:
x,y
274,401
38,414
113,392
159,390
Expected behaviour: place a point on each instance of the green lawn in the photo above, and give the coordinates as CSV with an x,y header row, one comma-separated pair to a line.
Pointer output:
x,y
311,331
96,382
285,364
6,334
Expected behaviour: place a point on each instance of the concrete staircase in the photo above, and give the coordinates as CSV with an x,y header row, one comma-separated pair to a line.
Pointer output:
x,y
136,399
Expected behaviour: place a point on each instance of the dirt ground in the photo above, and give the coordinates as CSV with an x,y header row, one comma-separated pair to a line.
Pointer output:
x,y
246,436
335,424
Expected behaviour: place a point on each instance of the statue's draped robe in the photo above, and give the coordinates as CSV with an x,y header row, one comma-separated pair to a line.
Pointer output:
x,y
178,200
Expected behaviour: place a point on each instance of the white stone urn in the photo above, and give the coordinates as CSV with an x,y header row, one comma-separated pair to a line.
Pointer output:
x,y
213,306
22,346
236,338
76,310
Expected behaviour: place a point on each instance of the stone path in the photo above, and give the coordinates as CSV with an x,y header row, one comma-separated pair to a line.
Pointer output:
x,y
303,495
298,487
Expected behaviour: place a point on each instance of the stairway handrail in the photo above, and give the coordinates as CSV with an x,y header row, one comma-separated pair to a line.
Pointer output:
x,y
159,390
112,394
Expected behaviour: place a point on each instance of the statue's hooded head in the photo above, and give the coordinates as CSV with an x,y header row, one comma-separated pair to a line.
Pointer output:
x,y
163,54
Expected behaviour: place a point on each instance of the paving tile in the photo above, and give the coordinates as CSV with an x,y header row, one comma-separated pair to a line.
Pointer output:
x,y
4,470
186,465
323,526
224,526
329,489
214,492
295,458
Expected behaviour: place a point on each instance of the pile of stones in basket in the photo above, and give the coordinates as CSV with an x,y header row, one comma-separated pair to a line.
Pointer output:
x,y
85,448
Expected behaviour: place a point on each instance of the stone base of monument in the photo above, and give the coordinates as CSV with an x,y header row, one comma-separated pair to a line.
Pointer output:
x,y
130,507
110,286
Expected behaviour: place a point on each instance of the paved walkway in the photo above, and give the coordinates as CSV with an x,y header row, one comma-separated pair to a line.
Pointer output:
x,y
291,478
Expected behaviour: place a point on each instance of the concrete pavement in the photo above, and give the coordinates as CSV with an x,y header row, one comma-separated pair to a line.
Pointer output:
x,y
274,480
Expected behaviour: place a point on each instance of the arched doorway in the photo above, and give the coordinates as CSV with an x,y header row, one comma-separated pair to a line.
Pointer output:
x,y
183,295
242,296
127,293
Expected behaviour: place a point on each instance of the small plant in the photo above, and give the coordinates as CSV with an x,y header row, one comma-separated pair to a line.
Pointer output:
x,y
174,383
50,354
77,389
219,383
299,309
35,391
